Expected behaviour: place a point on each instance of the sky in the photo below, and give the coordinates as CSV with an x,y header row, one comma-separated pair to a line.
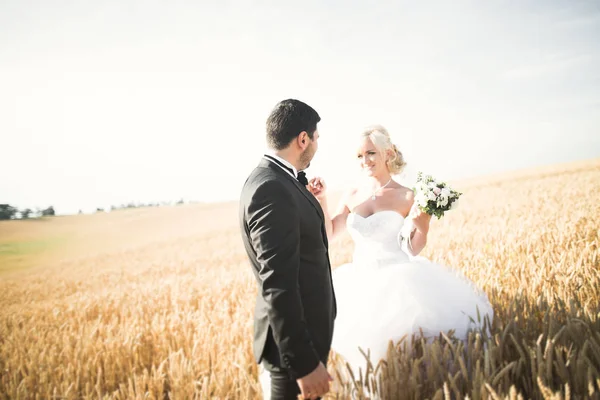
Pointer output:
x,y
114,101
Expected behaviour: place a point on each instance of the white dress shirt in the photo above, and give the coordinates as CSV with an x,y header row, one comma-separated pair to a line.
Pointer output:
x,y
284,162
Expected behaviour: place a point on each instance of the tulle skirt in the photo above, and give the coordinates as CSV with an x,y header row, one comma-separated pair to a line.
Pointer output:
x,y
376,305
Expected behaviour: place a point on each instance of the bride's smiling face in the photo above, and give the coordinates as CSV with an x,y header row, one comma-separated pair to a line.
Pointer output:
x,y
371,160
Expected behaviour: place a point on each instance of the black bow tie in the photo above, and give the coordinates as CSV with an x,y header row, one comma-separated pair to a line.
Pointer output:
x,y
301,175
302,178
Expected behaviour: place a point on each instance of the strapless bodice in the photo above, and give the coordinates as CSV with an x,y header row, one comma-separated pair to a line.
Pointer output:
x,y
376,238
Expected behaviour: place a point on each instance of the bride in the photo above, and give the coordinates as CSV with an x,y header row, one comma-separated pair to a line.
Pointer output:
x,y
388,291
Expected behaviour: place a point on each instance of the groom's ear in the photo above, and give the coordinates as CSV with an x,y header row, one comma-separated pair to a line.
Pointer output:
x,y
303,140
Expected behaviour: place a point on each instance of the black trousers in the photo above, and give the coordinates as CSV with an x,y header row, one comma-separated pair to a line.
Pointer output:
x,y
283,387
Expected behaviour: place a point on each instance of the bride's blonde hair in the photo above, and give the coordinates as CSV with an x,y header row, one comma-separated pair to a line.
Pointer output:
x,y
382,142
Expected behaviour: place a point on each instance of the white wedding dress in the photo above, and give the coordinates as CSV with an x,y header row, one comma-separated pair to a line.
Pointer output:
x,y
385,293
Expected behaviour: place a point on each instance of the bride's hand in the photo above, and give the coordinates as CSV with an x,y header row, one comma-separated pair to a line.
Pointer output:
x,y
317,187
421,220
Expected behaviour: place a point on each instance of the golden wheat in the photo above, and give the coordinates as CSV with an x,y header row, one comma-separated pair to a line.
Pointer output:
x,y
158,304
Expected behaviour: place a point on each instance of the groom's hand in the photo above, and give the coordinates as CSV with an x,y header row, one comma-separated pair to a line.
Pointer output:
x,y
317,187
315,384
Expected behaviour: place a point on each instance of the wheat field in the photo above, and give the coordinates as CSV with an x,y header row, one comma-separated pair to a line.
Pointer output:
x,y
157,303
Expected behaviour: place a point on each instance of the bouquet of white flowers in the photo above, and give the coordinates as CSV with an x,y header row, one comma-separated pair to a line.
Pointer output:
x,y
433,197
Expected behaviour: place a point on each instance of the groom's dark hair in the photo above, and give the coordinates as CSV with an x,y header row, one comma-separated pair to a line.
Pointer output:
x,y
287,120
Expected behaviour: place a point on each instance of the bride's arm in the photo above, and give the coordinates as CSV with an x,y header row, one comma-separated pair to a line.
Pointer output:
x,y
418,237
336,224
418,240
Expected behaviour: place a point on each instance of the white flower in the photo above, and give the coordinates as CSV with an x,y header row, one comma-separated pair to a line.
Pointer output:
x,y
421,199
430,191
442,202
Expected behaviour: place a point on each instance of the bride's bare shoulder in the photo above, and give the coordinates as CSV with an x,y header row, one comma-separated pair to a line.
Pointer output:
x,y
404,193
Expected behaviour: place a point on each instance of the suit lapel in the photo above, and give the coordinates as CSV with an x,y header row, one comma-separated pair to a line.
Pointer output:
x,y
316,205
309,196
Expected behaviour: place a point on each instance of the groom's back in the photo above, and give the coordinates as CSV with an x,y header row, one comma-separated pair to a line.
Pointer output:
x,y
283,231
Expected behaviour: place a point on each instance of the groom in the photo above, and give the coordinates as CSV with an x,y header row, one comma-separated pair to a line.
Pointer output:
x,y
284,235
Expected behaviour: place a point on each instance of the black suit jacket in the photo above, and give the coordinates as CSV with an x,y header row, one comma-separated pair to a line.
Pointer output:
x,y
284,236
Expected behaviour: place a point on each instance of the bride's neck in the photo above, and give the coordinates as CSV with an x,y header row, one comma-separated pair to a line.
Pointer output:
x,y
379,181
